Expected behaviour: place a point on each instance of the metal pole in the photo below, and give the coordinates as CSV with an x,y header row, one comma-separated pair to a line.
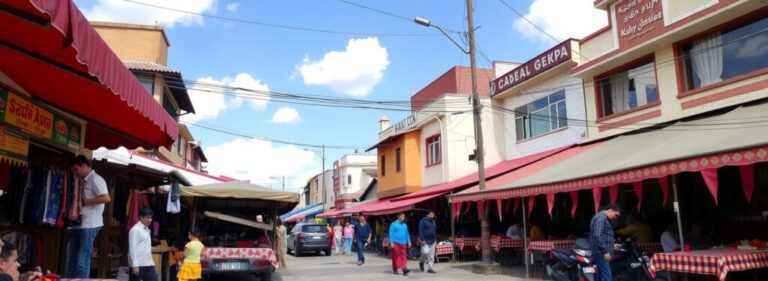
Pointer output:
x,y
322,158
485,236
283,182
453,229
676,206
525,239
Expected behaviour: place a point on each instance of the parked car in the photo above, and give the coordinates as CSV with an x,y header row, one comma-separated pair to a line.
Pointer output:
x,y
305,237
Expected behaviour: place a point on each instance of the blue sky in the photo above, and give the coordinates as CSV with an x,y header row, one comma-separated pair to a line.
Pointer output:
x,y
374,67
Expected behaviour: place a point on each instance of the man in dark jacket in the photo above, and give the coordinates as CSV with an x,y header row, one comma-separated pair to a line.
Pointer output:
x,y
428,236
603,241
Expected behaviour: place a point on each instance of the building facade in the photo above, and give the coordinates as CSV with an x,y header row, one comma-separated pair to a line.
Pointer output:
x,y
351,175
434,144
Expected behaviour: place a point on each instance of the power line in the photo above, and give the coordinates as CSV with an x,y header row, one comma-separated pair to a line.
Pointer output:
x,y
386,13
281,26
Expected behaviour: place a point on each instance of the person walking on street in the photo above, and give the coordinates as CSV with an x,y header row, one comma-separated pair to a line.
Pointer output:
x,y
95,194
428,236
281,244
400,240
602,240
363,234
337,239
349,234
140,248
190,267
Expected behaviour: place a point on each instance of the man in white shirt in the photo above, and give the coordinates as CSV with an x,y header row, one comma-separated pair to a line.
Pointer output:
x,y
514,231
95,195
140,249
668,238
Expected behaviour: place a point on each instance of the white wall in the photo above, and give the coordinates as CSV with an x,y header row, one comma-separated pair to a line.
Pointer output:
x,y
574,133
329,197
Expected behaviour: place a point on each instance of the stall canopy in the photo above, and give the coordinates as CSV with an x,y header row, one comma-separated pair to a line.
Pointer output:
x,y
49,49
240,190
296,211
303,213
697,145
126,157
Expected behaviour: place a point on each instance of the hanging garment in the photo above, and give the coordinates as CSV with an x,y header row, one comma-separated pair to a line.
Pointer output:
x,y
77,202
25,196
54,198
174,204
64,195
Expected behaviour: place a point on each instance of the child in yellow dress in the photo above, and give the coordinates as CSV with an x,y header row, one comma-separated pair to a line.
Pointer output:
x,y
190,268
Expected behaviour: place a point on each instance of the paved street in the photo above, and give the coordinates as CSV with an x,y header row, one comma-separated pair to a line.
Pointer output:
x,y
340,268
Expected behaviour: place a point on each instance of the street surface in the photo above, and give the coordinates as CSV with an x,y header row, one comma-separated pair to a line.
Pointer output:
x,y
342,268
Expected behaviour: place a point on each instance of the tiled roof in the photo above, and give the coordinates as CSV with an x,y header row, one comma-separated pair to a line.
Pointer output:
x,y
149,66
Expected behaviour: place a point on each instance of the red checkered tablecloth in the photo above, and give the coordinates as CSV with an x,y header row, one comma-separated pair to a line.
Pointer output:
x,y
225,253
650,248
466,241
549,245
506,243
717,262
445,249
88,279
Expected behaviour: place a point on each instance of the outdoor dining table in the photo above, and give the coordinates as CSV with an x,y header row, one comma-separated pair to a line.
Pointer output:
x,y
715,262
462,242
443,250
650,248
500,243
549,245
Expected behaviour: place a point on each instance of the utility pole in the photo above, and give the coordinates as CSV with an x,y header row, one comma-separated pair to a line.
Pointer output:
x,y
322,172
486,266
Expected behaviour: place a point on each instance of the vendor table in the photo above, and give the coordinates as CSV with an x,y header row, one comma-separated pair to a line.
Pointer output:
x,y
223,253
549,245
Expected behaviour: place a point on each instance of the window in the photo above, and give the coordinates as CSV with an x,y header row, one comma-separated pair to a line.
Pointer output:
x,y
383,167
397,160
169,107
147,80
349,179
541,116
629,89
434,155
726,54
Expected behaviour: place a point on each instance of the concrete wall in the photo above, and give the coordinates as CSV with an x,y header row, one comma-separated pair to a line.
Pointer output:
x,y
133,42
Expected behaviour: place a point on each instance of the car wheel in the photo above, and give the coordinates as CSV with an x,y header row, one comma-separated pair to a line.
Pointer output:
x,y
327,252
266,276
296,252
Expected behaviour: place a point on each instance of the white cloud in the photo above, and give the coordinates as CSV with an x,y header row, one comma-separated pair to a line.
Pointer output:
x,y
127,12
259,160
562,19
286,115
232,7
210,97
354,71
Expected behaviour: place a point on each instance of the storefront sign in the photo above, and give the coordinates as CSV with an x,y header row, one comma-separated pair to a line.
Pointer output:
x,y
549,59
25,115
637,19
406,123
14,145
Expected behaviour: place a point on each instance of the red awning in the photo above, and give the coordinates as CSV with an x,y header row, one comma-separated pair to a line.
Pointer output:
x,y
490,173
492,186
391,206
329,213
50,50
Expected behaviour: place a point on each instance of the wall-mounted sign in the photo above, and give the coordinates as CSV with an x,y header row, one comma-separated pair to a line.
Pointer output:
x,y
543,62
637,20
14,146
406,123
35,120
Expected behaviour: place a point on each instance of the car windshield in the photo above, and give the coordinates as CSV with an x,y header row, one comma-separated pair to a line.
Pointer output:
x,y
314,229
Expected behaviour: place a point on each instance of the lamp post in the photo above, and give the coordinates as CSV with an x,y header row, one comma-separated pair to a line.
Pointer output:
x,y
281,179
486,266
321,154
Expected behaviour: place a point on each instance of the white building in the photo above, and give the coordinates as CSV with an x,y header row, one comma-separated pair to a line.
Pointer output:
x,y
350,176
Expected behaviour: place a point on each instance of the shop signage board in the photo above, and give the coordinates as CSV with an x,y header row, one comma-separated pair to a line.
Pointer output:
x,y
541,63
638,21
19,112
14,145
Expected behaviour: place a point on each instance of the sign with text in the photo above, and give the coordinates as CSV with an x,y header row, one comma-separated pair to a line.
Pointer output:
x,y
637,20
14,145
406,123
35,120
543,62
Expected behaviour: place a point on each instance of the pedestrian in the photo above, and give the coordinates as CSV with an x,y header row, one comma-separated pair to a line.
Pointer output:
x,y
140,248
95,195
190,267
400,240
363,234
428,236
349,234
9,265
281,244
337,239
603,241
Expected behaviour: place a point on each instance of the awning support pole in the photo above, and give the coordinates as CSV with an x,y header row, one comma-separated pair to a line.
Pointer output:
x,y
453,229
676,206
525,239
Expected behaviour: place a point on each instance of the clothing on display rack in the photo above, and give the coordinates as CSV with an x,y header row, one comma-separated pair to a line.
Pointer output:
x,y
49,197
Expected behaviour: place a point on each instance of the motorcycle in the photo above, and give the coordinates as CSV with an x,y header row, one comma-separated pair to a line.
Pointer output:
x,y
573,264
630,262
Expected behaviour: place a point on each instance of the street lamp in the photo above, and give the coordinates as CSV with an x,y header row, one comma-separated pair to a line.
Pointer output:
x,y
321,154
486,266
280,179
